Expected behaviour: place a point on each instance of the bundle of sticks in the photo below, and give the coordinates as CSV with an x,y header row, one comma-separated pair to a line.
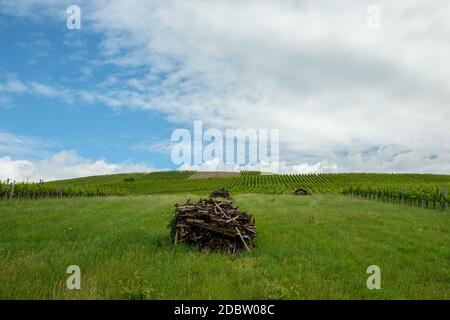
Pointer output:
x,y
221,193
212,224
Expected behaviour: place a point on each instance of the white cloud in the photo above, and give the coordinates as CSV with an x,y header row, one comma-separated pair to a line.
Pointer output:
x,y
272,167
44,90
14,169
9,87
18,145
311,69
161,147
380,160
25,158
13,86
39,10
62,165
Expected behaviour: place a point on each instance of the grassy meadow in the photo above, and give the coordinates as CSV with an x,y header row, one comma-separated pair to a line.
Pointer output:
x,y
315,247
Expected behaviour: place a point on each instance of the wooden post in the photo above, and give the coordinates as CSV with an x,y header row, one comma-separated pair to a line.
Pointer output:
x,y
11,190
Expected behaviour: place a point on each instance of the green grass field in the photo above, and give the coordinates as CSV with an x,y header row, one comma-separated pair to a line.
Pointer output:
x,y
316,247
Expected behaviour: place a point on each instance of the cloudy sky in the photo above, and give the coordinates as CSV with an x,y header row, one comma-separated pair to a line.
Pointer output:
x,y
106,98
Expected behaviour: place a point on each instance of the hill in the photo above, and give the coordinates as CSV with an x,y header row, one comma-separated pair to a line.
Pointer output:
x,y
254,182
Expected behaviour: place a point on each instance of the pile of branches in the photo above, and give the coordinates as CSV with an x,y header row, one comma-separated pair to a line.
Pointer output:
x,y
220,193
301,192
214,225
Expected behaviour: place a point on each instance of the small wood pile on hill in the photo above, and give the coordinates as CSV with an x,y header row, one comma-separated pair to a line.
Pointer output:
x,y
221,193
301,192
214,225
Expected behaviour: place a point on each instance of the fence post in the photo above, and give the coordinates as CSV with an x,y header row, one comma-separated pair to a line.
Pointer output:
x,y
446,199
11,190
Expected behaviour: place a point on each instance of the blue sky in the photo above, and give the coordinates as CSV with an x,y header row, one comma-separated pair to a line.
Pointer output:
x,y
106,98
49,54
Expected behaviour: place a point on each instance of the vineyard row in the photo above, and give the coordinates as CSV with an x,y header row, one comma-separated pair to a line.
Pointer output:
x,y
419,196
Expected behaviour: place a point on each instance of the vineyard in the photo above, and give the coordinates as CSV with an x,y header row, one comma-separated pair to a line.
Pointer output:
x,y
24,190
416,189
430,197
